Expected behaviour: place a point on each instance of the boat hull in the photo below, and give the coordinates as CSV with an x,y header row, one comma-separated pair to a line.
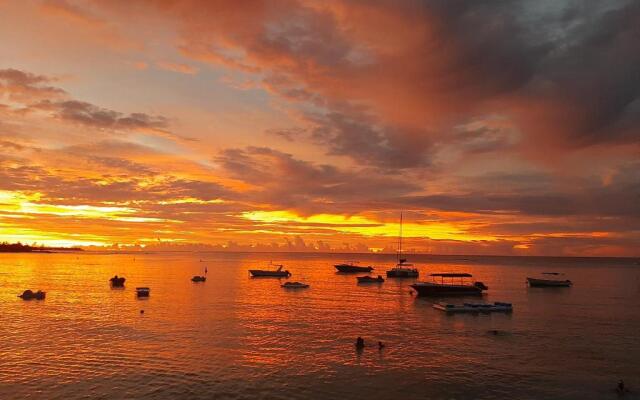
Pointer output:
x,y
368,279
274,274
435,289
402,273
352,268
295,285
117,282
30,295
534,282
474,308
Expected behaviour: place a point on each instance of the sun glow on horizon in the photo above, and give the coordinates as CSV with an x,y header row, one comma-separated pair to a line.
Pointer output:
x,y
367,227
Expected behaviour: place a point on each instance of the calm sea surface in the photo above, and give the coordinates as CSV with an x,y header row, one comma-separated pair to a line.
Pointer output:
x,y
234,337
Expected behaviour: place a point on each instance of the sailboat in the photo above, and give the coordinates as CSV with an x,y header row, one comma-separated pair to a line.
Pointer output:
x,y
403,269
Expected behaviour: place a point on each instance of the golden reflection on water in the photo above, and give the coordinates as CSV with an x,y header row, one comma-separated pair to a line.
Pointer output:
x,y
244,337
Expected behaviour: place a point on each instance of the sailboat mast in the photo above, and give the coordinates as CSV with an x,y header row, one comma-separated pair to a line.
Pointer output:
x,y
400,239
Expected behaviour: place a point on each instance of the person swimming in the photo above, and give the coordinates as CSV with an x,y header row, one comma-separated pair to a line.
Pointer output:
x,y
621,389
359,343
380,345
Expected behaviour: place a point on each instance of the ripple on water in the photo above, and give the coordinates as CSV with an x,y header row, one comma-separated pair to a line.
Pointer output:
x,y
239,338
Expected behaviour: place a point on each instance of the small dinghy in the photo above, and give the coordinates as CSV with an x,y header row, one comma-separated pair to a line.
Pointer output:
x,y
370,279
117,281
31,295
199,278
142,291
294,285
474,307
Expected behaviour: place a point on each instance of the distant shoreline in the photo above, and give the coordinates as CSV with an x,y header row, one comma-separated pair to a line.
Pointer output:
x,y
23,248
41,251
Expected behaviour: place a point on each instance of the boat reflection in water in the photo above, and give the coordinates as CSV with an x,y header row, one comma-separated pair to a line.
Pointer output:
x,y
455,284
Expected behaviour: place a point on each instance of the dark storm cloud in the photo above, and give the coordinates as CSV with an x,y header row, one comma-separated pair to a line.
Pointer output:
x,y
369,144
567,73
285,181
587,197
591,80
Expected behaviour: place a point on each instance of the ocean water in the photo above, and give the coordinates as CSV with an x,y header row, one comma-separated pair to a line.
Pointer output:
x,y
234,337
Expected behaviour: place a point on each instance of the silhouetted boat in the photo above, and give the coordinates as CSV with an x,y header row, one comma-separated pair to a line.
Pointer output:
x,y
370,279
402,268
294,285
143,291
536,282
31,295
279,273
474,307
450,287
117,281
199,278
352,267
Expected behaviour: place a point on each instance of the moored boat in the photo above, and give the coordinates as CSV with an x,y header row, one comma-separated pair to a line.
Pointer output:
x,y
31,295
278,273
353,267
537,282
294,285
117,281
474,307
403,269
370,279
143,291
465,286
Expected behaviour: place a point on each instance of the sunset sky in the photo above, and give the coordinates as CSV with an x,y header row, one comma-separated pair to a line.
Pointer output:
x,y
497,127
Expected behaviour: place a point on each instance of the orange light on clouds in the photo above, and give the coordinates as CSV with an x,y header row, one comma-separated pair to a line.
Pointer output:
x,y
23,203
367,227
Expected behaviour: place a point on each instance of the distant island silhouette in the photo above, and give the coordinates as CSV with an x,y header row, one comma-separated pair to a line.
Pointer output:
x,y
25,248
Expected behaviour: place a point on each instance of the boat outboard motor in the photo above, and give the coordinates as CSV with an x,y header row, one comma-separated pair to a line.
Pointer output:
x,y
481,286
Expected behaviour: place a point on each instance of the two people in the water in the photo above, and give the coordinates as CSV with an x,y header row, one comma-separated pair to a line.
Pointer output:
x,y
360,344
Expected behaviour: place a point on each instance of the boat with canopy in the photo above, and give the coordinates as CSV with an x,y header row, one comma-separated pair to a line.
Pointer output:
x,y
450,284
